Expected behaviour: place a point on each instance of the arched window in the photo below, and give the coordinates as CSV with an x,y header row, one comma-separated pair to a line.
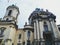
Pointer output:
x,y
2,30
45,26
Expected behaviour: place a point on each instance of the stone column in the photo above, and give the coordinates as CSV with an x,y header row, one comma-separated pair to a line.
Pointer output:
x,y
41,31
54,29
37,29
26,37
57,30
35,34
38,32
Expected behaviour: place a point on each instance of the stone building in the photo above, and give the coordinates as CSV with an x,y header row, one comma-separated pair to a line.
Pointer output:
x,y
41,30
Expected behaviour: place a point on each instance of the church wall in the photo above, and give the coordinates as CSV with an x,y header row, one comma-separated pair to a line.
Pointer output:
x,y
21,39
9,33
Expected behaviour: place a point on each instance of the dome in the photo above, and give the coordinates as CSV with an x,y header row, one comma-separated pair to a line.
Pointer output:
x,y
41,12
38,13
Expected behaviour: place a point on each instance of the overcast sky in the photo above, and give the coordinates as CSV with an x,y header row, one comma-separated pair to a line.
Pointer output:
x,y
26,7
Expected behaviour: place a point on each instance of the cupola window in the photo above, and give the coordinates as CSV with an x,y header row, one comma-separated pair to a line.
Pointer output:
x,y
9,13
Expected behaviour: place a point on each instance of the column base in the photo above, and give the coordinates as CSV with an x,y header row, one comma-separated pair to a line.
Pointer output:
x,y
39,42
36,42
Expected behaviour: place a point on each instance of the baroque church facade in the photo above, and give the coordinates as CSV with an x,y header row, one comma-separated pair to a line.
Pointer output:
x,y
41,30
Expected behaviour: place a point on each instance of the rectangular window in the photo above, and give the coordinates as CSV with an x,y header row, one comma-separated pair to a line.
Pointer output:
x,y
9,13
28,34
19,36
45,27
